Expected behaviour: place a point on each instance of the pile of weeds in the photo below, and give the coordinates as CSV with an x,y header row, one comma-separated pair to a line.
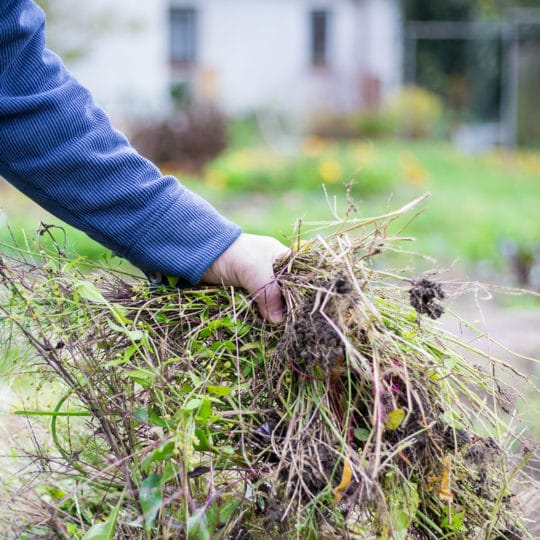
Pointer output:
x,y
182,414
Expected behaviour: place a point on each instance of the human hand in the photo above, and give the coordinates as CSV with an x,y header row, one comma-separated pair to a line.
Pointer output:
x,y
248,263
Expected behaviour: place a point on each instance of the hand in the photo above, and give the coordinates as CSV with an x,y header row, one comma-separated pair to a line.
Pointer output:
x,y
248,263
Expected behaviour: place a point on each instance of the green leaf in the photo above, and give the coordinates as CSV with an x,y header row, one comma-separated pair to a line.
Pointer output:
x,y
162,453
172,280
155,419
55,493
203,440
219,390
144,377
394,418
193,404
229,345
195,379
128,353
165,451
451,419
73,531
197,527
100,531
133,335
403,502
212,518
162,318
226,511
105,530
151,498
249,347
119,314
88,291
409,335
455,523
412,316
117,362
170,472
361,434
205,411
450,362
142,415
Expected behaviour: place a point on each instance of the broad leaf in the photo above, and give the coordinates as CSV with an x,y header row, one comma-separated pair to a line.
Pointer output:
x,y
151,497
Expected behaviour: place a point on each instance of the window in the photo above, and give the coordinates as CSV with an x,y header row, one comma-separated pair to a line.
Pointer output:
x,y
319,34
183,35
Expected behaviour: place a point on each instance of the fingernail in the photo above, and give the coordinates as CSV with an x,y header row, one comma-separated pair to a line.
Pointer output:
x,y
276,317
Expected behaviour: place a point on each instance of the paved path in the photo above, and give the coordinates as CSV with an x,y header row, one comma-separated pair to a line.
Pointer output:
x,y
516,329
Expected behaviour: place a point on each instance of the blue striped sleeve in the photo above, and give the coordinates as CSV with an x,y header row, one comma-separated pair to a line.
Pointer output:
x,y
60,149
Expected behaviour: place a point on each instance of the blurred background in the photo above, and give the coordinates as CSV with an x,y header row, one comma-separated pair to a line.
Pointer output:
x,y
258,104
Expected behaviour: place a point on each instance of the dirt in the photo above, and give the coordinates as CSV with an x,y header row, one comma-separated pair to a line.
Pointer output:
x,y
312,345
423,295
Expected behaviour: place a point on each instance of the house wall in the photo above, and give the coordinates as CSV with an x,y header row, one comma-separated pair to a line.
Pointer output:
x,y
126,63
251,54
384,55
258,54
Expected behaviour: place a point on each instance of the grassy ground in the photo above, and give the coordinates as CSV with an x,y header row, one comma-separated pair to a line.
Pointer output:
x,y
478,203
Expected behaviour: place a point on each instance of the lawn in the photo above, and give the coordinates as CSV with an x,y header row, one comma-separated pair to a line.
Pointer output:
x,y
478,204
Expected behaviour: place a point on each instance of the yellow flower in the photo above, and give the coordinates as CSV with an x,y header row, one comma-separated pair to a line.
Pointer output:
x,y
531,162
242,158
365,153
330,170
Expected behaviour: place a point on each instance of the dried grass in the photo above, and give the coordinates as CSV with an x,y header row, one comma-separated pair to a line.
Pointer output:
x,y
188,416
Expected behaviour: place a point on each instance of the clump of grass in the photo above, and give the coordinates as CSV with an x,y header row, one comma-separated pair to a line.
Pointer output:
x,y
181,414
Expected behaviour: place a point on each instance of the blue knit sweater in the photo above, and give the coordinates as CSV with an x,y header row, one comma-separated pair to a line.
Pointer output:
x,y
60,149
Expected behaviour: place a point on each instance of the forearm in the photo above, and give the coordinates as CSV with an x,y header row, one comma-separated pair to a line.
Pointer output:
x,y
60,149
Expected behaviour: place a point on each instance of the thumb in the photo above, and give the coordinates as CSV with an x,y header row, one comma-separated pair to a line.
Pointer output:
x,y
248,263
270,302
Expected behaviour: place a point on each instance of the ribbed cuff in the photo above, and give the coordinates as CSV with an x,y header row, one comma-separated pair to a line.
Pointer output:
x,y
184,240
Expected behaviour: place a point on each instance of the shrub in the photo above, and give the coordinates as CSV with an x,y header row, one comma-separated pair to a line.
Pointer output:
x,y
244,131
188,140
374,124
415,112
320,162
330,125
357,125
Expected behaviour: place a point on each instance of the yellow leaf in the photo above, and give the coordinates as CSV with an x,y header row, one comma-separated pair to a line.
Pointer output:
x,y
346,479
393,419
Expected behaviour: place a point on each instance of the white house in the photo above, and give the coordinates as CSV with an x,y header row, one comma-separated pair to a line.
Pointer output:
x,y
244,55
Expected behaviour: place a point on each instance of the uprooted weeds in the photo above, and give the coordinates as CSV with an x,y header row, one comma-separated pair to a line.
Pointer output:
x,y
358,418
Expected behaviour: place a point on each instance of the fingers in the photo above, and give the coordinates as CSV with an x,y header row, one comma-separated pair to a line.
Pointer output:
x,y
248,263
270,303
256,275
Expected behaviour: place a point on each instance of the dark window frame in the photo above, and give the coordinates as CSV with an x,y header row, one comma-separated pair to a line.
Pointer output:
x,y
183,36
320,23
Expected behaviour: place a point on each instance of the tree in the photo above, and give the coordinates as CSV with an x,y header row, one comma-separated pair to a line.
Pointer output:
x,y
461,10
